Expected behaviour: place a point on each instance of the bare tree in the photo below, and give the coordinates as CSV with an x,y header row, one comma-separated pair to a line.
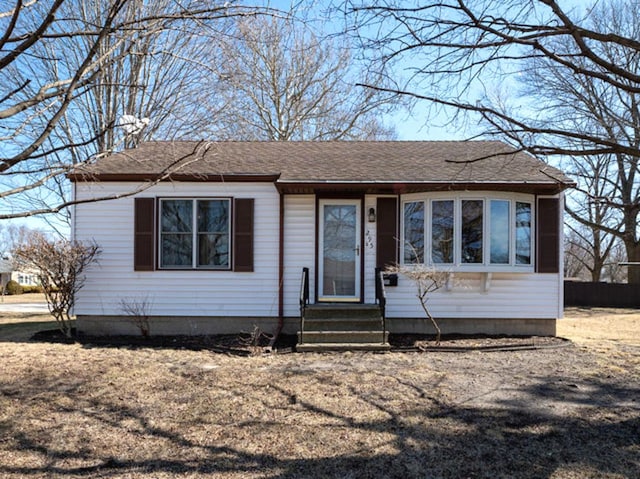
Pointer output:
x,y
587,252
427,280
575,258
12,236
458,51
138,309
607,199
69,69
146,91
594,224
60,265
549,80
277,79
615,270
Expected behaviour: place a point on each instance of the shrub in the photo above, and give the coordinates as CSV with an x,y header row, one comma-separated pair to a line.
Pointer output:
x,y
13,287
31,289
61,264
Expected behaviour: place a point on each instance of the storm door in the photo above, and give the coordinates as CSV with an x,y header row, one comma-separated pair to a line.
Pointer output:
x,y
339,250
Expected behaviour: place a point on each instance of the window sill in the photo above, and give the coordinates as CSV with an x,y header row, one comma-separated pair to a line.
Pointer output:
x,y
186,268
477,268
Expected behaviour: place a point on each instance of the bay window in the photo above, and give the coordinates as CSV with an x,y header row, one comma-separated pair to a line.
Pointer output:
x,y
468,232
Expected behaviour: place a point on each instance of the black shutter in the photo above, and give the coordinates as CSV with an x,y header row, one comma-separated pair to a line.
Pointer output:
x,y
144,228
386,232
548,237
243,235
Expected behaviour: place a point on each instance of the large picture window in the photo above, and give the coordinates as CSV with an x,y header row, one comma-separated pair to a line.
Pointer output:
x,y
467,232
194,233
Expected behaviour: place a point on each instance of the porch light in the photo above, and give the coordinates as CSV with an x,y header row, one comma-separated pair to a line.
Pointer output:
x,y
372,215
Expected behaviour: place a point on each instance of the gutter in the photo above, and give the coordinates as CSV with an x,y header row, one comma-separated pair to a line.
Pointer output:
x,y
280,275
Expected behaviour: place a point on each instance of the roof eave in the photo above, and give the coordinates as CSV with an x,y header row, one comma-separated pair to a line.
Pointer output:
x,y
182,177
399,187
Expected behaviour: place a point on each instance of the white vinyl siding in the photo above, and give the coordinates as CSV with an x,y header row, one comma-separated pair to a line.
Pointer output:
x,y
171,292
299,248
474,295
480,294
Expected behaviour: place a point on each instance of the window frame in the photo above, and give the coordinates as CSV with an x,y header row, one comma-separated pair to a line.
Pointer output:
x,y
454,236
486,198
195,234
425,220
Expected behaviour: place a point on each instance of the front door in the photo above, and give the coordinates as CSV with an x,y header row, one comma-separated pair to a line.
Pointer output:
x,y
339,250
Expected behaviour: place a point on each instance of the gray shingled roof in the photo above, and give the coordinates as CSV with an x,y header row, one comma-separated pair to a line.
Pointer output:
x,y
397,162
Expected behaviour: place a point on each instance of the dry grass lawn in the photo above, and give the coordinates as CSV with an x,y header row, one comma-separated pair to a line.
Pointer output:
x,y
78,411
23,298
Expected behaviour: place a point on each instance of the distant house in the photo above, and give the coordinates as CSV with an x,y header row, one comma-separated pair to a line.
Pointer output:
x,y
8,273
220,244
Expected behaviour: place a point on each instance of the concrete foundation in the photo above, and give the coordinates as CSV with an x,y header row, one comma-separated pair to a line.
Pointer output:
x,y
179,325
498,326
205,325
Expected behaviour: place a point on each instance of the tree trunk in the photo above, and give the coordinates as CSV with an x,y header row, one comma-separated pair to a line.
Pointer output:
x,y
633,256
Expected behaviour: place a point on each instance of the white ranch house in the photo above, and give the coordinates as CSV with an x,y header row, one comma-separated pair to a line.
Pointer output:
x,y
219,242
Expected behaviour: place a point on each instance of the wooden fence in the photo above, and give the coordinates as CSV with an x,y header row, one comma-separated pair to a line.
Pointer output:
x,y
611,295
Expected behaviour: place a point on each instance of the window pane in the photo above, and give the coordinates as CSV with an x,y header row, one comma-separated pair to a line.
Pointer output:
x,y
213,233
471,246
177,216
414,232
499,235
523,233
213,216
176,249
213,250
442,231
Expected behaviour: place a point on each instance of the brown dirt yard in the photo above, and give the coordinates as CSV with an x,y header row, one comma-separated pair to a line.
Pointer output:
x,y
558,410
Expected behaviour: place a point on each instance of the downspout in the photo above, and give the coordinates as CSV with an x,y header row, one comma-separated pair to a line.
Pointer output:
x,y
280,274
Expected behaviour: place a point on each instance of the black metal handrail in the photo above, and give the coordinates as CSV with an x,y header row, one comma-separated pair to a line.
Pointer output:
x,y
381,299
304,298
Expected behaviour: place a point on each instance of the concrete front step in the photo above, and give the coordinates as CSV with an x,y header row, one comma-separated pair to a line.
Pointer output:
x,y
320,347
342,327
351,311
313,337
342,324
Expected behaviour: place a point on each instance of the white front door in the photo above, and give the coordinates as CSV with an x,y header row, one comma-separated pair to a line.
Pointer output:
x,y
339,250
